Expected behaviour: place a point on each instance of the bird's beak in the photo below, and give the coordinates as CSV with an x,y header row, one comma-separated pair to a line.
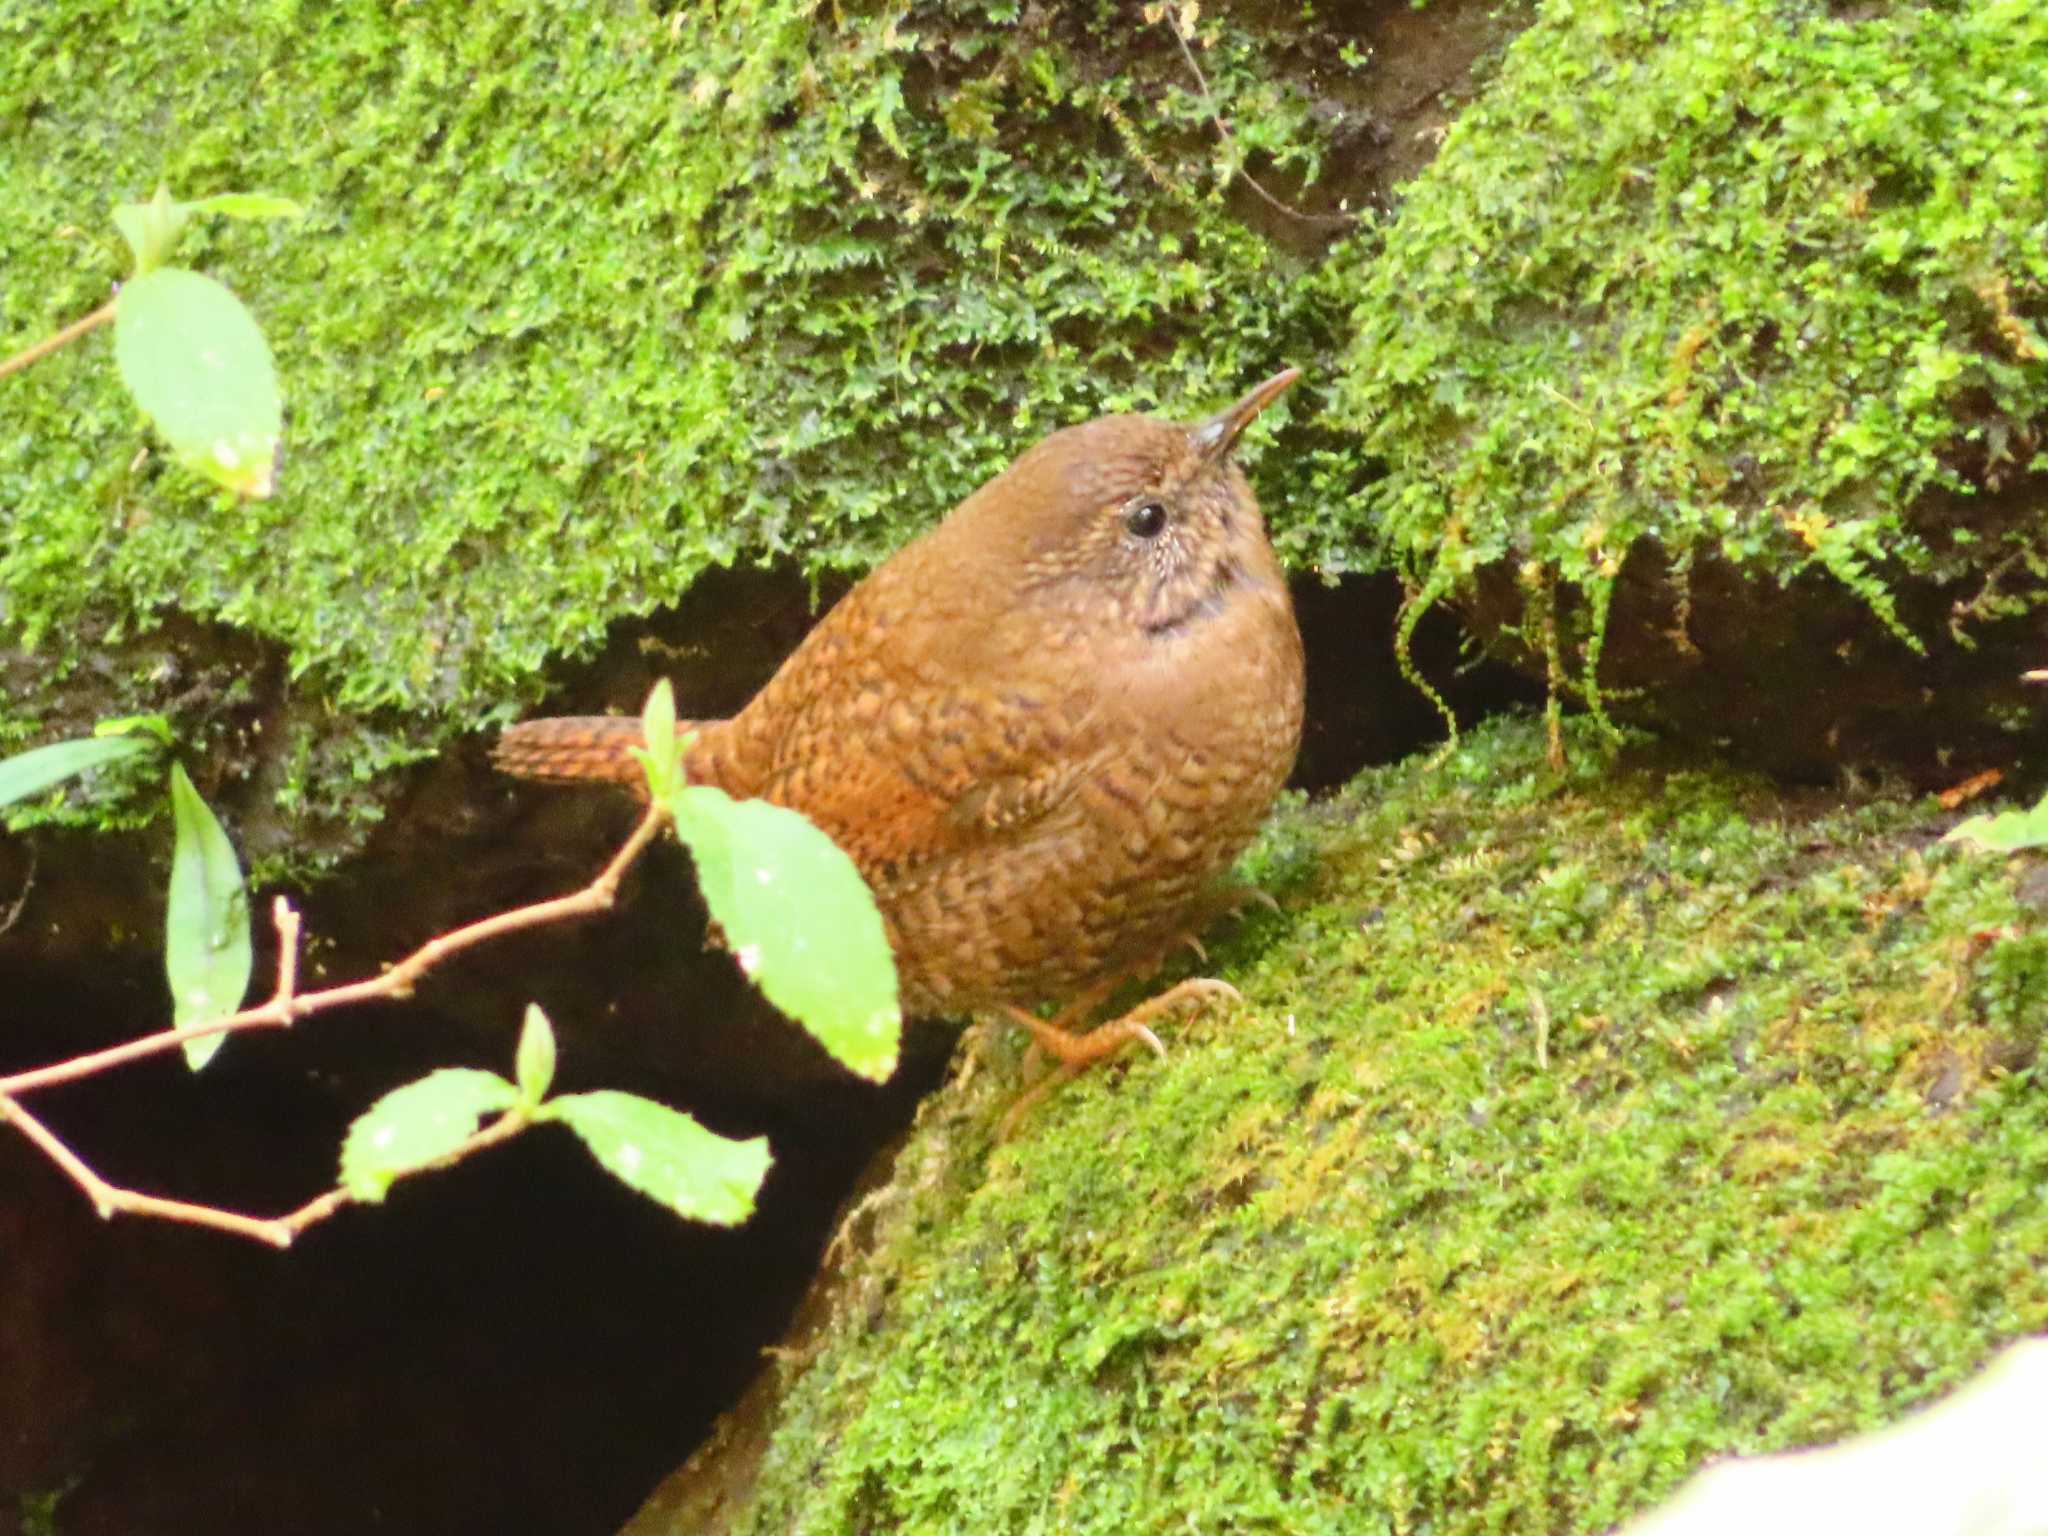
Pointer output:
x,y
1215,438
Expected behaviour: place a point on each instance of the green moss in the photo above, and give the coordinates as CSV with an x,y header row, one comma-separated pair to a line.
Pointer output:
x,y
1576,1128
592,297
1754,280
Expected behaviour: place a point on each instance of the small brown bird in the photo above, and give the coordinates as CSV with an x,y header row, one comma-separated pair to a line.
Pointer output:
x,y
1042,730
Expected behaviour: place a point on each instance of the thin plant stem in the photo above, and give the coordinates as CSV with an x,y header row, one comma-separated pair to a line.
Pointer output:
x,y
65,337
1230,139
287,1007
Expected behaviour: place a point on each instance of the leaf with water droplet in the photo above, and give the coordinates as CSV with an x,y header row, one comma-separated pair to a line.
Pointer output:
x,y
667,1155
196,362
417,1125
800,919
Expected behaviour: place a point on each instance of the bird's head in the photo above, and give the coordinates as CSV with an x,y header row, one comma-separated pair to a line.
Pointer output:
x,y
1154,515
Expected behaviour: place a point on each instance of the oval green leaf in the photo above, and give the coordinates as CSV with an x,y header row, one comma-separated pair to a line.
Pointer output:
x,y
667,1155
207,953
417,1125
799,919
30,773
196,362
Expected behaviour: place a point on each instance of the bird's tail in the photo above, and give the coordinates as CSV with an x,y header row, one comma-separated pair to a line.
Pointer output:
x,y
575,749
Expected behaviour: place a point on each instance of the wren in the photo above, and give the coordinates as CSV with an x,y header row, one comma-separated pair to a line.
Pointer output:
x,y
1042,730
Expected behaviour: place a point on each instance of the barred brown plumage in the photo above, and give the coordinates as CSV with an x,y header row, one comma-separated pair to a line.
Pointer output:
x,y
1041,731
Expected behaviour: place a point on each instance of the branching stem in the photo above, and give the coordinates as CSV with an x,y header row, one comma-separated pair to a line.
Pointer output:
x,y
286,1005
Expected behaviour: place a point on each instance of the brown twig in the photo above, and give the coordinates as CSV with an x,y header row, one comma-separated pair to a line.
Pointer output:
x,y
65,337
111,1200
287,921
1230,139
287,1005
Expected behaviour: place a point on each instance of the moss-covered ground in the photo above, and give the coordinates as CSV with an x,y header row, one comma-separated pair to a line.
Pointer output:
x,y
1577,1126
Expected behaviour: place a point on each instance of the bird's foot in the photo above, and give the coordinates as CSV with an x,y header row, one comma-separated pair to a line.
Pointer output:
x,y
1076,1052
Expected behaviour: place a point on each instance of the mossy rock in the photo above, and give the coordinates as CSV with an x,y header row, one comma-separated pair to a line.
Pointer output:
x,y
1576,1127
1709,366
591,298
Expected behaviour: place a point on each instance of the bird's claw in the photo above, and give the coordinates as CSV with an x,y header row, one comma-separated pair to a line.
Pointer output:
x,y
1075,1053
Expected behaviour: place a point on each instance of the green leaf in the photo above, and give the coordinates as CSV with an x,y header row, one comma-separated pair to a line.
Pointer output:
x,y
661,757
2006,832
248,205
207,953
419,1124
799,919
667,1155
152,228
29,773
132,725
196,362
535,1058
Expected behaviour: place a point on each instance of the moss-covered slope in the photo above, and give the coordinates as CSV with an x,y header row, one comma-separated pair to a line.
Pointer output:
x,y
1576,1127
591,296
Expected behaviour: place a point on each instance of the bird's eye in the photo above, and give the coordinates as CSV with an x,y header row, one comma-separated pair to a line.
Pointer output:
x,y
1147,520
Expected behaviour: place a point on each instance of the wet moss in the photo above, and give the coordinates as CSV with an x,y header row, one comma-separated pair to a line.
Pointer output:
x,y
1762,286
590,298
1577,1127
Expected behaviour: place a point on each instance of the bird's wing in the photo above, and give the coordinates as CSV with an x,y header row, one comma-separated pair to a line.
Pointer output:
x,y
932,773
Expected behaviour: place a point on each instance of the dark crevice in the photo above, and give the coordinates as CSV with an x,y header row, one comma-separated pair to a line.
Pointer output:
x,y
516,1344
1361,710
